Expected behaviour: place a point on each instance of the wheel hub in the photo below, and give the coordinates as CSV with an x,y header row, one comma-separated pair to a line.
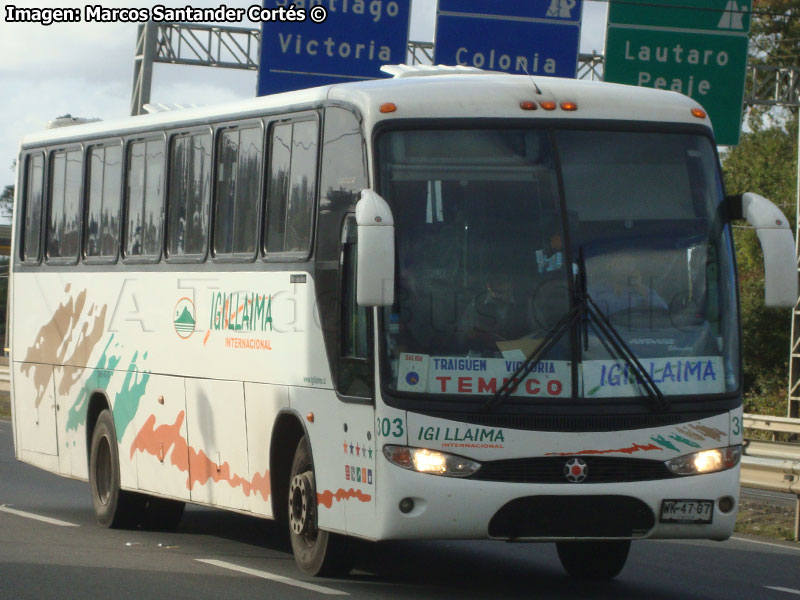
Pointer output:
x,y
103,471
301,504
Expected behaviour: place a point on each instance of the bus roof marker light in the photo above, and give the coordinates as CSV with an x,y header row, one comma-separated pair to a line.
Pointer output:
x,y
528,105
548,104
569,106
699,113
388,107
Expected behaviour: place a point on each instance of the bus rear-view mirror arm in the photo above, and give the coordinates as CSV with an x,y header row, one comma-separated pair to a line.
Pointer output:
x,y
375,261
777,245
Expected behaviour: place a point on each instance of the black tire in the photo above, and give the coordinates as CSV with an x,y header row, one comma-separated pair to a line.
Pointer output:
x,y
318,553
113,507
162,514
593,560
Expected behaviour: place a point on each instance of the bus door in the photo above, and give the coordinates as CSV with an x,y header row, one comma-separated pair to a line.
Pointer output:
x,y
359,446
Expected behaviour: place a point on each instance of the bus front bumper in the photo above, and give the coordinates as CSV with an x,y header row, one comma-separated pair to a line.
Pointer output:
x,y
420,506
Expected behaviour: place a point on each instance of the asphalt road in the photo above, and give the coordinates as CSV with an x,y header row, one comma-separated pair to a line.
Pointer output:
x,y
216,555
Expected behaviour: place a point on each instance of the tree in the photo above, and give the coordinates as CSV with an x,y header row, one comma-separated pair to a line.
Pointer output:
x,y
775,32
7,203
774,41
764,162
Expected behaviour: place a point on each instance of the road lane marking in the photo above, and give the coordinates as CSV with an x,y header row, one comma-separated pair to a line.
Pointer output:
x,y
782,589
271,576
740,539
27,515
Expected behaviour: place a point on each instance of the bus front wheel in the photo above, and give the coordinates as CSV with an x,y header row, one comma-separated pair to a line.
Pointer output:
x,y
316,552
593,560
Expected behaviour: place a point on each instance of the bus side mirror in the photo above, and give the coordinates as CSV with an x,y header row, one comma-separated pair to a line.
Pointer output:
x,y
375,268
777,245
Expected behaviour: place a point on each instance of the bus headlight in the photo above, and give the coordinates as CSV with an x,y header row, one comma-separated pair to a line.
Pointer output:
x,y
434,462
706,461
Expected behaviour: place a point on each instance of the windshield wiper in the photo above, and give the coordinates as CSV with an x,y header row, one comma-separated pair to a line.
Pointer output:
x,y
551,338
587,307
643,378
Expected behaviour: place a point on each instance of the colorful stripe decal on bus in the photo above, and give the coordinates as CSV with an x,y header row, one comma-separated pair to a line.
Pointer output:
x,y
158,441
68,338
98,380
697,433
327,497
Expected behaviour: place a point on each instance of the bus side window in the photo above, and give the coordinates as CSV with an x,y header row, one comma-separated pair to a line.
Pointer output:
x,y
237,191
101,238
189,195
145,199
66,172
34,185
354,367
292,185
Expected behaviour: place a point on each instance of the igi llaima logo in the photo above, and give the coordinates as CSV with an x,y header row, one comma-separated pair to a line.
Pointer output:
x,y
184,318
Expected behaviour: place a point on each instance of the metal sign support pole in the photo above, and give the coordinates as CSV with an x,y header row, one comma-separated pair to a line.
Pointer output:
x,y
143,66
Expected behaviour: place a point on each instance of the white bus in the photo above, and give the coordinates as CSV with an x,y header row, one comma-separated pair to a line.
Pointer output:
x,y
446,304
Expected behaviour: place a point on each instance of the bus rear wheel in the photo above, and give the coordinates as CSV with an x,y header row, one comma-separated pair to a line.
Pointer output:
x,y
593,560
318,553
113,507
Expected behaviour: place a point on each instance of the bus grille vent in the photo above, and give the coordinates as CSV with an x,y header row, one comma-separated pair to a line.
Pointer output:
x,y
550,469
572,517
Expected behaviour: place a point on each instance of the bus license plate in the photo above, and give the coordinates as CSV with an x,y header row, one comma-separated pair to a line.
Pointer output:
x,y
687,511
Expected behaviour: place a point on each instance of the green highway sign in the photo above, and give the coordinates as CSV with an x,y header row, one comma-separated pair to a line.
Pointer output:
x,y
699,51
708,69
706,15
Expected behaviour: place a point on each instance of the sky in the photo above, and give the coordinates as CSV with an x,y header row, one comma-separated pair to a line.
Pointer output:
x,y
86,69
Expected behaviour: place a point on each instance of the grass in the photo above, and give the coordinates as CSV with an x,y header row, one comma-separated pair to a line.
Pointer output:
x,y
765,519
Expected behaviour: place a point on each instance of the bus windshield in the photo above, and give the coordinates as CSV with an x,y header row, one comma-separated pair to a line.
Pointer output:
x,y
501,234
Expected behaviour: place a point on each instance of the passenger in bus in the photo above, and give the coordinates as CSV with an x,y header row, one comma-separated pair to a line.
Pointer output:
x,y
618,286
550,258
497,314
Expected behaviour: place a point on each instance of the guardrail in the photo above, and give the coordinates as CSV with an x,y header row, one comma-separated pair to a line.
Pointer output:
x,y
773,465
